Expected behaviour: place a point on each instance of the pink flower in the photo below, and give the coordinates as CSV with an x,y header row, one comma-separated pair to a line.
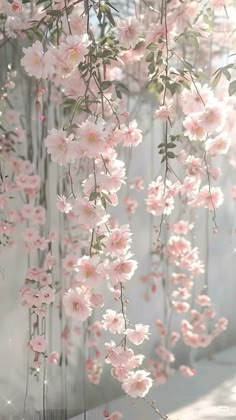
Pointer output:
x,y
16,6
161,327
53,358
118,241
36,62
3,201
113,321
122,269
187,371
181,228
38,344
47,295
130,205
92,137
76,304
96,300
131,135
89,214
137,384
30,235
116,415
32,298
174,337
160,197
62,204
155,32
165,112
138,334
61,148
213,117
73,50
165,354
44,278
210,199
77,22
181,306
219,145
194,166
49,261
195,99
194,130
128,31
88,270
233,192
137,184
222,324
69,263
203,300
215,173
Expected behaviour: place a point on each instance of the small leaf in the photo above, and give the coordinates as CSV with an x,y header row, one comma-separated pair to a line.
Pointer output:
x,y
159,87
107,53
97,247
56,13
188,65
232,87
226,74
171,155
122,87
105,85
93,196
171,145
150,57
151,68
104,203
216,79
118,93
152,46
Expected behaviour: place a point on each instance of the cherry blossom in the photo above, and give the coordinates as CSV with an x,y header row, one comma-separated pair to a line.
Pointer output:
x,y
137,384
38,344
76,304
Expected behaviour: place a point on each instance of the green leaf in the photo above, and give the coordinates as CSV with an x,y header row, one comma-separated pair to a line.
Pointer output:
x,y
93,196
150,57
171,155
232,88
227,74
159,87
105,85
161,145
104,203
56,13
122,87
103,40
216,79
152,46
138,45
107,53
118,93
151,68
188,65
97,247
171,145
